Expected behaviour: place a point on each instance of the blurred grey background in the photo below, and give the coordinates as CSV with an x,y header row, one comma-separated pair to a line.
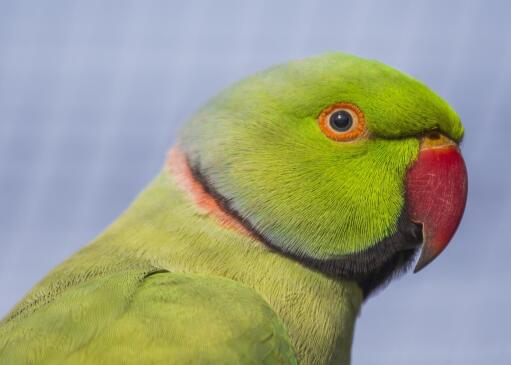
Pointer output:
x,y
93,92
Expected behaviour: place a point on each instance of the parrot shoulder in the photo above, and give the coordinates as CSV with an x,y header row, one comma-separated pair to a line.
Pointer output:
x,y
138,317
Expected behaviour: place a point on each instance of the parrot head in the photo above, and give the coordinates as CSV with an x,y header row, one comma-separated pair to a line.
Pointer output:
x,y
343,164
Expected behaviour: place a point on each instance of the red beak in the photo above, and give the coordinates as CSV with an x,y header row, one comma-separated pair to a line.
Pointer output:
x,y
436,193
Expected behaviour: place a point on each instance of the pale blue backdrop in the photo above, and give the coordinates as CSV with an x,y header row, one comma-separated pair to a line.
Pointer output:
x,y
93,92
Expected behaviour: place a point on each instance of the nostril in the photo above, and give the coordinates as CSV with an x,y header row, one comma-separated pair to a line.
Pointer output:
x,y
435,139
434,135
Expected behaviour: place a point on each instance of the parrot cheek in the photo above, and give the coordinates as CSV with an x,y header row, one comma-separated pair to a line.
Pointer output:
x,y
436,193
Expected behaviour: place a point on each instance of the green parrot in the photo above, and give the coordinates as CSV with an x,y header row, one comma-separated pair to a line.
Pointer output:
x,y
287,200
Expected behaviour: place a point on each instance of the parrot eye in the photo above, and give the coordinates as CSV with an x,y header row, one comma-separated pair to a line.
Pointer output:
x,y
342,122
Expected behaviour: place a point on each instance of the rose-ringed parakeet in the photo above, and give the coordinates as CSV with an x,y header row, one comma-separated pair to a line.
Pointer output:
x,y
286,201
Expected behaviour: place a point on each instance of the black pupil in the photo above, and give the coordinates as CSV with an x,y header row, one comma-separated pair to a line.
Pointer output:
x,y
341,121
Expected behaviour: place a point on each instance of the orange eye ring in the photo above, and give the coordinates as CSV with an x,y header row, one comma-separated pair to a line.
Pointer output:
x,y
342,122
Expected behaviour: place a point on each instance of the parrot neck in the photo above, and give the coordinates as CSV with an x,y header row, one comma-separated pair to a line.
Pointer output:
x,y
171,228
194,234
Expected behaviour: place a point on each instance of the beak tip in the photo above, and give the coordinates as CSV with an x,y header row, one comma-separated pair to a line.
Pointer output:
x,y
417,269
427,255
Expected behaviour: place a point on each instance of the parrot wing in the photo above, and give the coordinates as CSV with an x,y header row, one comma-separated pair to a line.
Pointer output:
x,y
140,317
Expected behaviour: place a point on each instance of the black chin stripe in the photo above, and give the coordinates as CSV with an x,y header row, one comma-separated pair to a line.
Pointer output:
x,y
371,269
374,267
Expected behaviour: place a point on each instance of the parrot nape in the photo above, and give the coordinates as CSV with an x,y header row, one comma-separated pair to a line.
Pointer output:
x,y
286,201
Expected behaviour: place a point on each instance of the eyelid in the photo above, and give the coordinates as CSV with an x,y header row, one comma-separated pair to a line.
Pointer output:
x,y
358,129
